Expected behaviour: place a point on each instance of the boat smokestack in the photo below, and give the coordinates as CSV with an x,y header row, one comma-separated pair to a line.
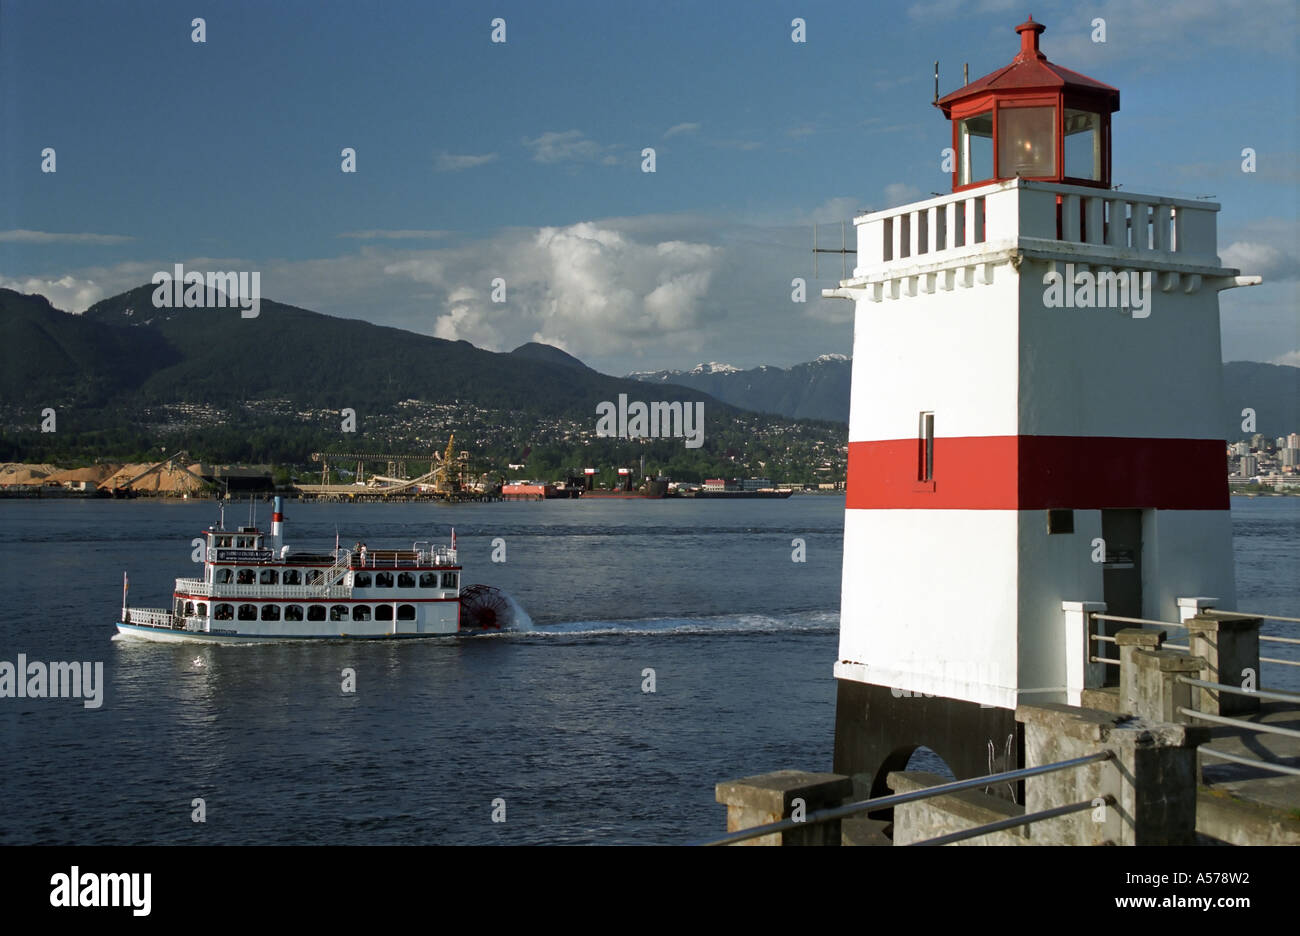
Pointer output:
x,y
277,523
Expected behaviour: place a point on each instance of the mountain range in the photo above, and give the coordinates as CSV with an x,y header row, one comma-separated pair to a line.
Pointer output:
x,y
816,390
125,353
820,390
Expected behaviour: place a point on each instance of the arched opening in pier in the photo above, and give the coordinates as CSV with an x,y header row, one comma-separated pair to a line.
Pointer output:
x,y
923,758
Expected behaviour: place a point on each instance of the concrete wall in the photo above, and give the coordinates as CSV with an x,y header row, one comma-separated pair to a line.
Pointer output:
x,y
1099,372
918,580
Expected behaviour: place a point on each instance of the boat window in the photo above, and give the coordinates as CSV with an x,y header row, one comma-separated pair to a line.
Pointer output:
x,y
189,609
383,580
406,612
361,613
293,613
361,580
314,576
291,577
245,577
270,612
223,542
449,580
224,576
316,613
248,612
428,579
384,613
338,612
269,576
405,580
203,609
224,612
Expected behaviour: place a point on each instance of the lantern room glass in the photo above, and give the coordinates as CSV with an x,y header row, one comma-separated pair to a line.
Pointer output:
x,y
1026,142
975,146
1082,145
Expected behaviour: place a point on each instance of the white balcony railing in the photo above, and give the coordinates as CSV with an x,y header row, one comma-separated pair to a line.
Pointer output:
x,y
1121,227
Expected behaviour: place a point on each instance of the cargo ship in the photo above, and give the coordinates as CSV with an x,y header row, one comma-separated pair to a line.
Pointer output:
x,y
735,489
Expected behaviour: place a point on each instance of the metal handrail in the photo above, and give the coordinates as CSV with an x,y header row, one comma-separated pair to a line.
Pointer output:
x,y
1275,694
1109,662
885,802
1099,616
1251,761
1103,637
1014,821
1239,723
1276,660
1270,617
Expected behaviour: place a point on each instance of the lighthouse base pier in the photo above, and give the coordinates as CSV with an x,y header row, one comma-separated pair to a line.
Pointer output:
x,y
877,729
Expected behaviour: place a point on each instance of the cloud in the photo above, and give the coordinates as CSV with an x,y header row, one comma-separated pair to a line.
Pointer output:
x,y
450,162
395,235
570,146
596,287
1265,247
67,292
840,208
681,128
45,237
1188,28
1290,359
900,193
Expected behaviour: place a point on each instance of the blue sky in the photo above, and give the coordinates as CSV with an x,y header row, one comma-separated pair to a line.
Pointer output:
x,y
522,160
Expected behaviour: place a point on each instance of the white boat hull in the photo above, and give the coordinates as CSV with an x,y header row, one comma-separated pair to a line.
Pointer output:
x,y
172,635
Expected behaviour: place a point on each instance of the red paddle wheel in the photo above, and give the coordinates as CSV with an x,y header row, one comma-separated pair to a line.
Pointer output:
x,y
483,607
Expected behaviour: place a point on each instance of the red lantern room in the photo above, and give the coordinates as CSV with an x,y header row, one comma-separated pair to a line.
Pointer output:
x,y
1031,119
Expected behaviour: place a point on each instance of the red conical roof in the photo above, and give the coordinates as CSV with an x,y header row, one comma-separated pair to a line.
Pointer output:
x,y
1031,71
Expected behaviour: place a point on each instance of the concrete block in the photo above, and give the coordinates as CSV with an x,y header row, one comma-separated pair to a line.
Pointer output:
x,y
1229,643
1128,640
1152,776
771,797
952,812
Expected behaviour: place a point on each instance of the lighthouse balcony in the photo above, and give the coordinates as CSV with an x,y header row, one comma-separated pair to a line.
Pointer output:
x,y
1015,219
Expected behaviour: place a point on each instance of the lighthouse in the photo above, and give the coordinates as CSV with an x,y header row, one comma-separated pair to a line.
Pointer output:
x,y
1035,428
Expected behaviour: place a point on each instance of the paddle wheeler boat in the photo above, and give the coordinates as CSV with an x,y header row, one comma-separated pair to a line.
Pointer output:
x,y
256,588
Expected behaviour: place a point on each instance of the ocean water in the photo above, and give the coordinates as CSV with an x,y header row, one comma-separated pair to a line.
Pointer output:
x,y
547,727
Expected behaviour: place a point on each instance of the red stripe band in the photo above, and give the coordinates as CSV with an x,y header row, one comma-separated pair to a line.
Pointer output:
x,y
1039,472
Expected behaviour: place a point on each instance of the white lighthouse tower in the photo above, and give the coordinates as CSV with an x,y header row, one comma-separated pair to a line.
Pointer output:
x,y
1035,430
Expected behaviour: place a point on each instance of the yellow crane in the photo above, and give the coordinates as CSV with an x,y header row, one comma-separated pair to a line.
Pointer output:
x,y
443,482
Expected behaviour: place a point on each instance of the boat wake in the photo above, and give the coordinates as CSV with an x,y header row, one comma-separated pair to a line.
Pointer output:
x,y
799,622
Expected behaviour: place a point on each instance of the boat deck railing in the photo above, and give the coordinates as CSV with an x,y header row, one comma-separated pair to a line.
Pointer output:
x,y
201,589
153,617
431,558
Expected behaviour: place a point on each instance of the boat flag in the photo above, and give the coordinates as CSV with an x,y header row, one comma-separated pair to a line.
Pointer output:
x,y
453,537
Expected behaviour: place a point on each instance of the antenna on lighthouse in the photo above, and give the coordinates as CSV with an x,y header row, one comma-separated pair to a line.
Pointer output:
x,y
843,251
